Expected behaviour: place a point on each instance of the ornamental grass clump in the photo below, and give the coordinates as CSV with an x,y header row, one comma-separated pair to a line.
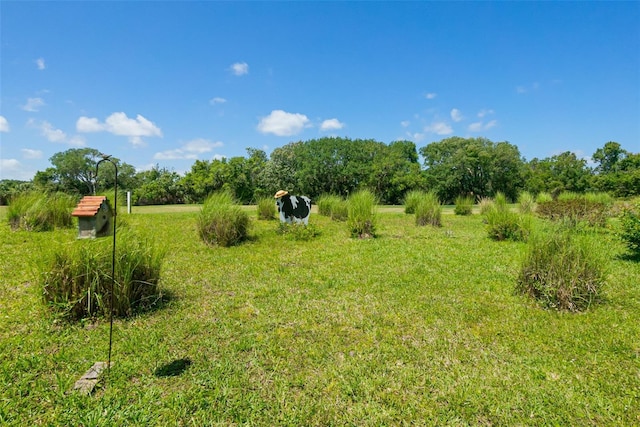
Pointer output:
x,y
36,211
502,224
76,278
562,270
411,200
221,222
428,210
332,206
266,208
362,217
464,205
526,203
485,204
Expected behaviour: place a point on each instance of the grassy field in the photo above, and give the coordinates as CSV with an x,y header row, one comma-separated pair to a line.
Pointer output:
x,y
420,326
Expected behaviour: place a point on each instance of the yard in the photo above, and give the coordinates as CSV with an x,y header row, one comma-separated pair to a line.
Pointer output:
x,y
420,326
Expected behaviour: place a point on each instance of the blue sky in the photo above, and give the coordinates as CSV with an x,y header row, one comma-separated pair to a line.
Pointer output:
x,y
170,82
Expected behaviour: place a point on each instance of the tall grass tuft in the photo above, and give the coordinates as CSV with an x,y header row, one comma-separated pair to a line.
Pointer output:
x,y
76,279
411,200
464,205
502,224
526,203
335,207
221,222
562,270
266,208
34,211
362,218
544,197
485,204
428,210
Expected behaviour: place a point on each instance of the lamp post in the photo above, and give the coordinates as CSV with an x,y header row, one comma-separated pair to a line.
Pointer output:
x,y
107,158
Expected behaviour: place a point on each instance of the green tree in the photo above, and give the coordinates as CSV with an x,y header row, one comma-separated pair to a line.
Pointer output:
x,y
75,170
617,171
475,167
562,172
395,171
608,157
159,186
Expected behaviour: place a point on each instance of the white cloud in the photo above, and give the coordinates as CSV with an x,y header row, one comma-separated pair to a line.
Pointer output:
x,y
331,124
405,123
56,135
281,123
51,133
174,155
9,165
456,115
430,95
416,137
485,112
28,153
120,124
86,124
40,63
522,89
240,68
189,150
77,141
33,105
201,145
481,126
439,128
4,124
217,100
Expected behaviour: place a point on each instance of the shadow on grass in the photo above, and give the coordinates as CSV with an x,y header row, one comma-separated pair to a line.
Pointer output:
x,y
173,369
629,256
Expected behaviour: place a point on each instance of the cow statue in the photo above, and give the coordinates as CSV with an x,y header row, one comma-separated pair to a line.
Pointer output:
x,y
293,209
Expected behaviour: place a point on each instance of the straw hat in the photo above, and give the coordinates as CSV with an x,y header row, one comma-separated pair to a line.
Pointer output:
x,y
280,194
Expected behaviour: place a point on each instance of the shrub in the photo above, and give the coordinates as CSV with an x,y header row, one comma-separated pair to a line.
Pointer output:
x,y
411,200
575,210
332,206
630,229
221,222
464,205
526,203
267,208
76,279
361,214
562,270
34,211
428,210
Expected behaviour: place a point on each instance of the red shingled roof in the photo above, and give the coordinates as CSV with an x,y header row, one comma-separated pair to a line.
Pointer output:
x,y
89,206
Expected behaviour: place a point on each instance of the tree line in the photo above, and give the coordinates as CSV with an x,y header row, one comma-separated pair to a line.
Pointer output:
x,y
451,167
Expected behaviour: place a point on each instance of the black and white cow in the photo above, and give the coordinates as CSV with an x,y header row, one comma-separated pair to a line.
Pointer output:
x,y
293,209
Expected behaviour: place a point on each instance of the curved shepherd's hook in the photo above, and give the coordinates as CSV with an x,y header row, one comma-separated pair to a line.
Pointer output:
x,y
106,157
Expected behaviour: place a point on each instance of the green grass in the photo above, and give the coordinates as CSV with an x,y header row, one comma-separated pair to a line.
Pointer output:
x,y
420,326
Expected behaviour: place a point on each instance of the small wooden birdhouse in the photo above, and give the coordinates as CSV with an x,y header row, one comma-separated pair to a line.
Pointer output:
x,y
94,217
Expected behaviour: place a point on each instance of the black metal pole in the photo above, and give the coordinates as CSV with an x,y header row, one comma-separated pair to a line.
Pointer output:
x,y
113,254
